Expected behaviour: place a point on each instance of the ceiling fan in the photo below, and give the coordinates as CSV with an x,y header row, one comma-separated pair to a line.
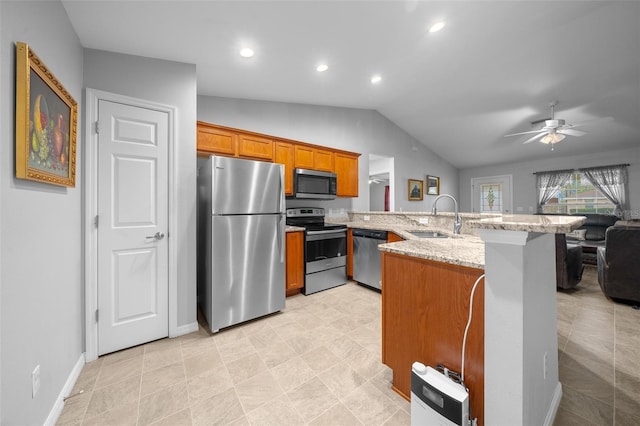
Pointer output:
x,y
555,130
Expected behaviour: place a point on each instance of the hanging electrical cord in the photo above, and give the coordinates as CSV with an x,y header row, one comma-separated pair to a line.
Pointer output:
x,y
466,330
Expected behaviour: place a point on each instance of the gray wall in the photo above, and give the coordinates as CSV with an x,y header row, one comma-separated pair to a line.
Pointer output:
x,y
169,83
356,130
40,249
524,192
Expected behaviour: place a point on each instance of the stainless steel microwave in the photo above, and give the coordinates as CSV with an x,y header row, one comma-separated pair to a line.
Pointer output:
x,y
314,184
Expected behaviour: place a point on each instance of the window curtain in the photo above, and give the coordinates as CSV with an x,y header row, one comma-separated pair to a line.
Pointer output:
x,y
548,184
612,182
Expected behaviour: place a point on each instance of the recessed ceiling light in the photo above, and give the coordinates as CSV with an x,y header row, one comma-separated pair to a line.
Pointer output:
x,y
376,79
436,27
246,52
322,67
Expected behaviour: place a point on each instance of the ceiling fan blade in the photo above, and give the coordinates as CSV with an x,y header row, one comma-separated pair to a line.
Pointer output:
x,y
571,132
525,133
533,138
592,121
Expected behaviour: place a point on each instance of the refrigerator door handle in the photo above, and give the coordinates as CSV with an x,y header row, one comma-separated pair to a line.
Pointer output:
x,y
281,238
283,206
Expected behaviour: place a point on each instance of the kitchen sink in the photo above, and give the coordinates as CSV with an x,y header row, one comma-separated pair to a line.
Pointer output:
x,y
428,234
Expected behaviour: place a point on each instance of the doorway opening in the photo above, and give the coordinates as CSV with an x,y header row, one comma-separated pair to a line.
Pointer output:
x,y
381,187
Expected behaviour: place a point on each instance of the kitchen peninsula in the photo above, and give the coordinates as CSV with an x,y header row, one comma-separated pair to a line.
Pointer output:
x,y
511,365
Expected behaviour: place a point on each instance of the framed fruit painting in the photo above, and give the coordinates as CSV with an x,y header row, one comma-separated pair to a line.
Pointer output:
x,y
46,123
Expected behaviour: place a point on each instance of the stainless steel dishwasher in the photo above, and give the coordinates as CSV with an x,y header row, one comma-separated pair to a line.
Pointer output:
x,y
367,264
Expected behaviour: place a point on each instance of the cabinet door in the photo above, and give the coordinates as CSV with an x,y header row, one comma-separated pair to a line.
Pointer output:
x,y
347,174
295,262
392,237
323,160
284,155
303,157
216,141
255,147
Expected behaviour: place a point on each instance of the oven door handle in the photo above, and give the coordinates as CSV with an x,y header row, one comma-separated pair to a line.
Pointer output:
x,y
325,235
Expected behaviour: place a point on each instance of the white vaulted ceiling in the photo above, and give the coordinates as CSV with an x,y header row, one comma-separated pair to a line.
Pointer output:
x,y
492,70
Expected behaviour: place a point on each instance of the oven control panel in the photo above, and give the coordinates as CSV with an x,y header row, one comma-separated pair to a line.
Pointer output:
x,y
305,212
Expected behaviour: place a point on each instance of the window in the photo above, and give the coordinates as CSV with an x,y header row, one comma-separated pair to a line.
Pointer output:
x,y
490,198
578,195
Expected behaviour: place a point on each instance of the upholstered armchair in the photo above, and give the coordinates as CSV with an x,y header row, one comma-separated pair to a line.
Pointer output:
x,y
618,266
569,265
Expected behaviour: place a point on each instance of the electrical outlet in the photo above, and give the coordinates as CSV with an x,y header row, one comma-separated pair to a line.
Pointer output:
x,y
545,359
423,220
35,381
519,209
366,218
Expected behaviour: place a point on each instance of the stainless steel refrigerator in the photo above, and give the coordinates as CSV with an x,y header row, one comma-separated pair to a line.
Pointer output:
x,y
241,240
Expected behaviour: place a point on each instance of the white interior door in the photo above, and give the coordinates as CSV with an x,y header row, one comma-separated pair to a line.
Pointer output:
x,y
491,194
133,261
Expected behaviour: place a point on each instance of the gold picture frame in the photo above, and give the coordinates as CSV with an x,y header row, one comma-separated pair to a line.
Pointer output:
x,y
433,185
415,190
46,123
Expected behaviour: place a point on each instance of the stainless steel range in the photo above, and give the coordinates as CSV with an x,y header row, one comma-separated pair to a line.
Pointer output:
x,y
325,249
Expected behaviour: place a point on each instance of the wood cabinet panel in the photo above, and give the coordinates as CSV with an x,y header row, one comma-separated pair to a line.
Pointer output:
x,y
255,147
307,157
216,141
425,308
295,262
303,157
346,167
284,154
393,237
323,160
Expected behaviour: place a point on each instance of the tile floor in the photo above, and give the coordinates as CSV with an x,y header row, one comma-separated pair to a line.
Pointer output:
x,y
318,363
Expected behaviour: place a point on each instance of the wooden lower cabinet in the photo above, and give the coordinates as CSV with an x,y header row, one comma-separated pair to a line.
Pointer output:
x,y
294,262
425,308
393,237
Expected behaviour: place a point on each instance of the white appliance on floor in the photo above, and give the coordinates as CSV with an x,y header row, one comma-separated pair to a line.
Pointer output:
x,y
437,400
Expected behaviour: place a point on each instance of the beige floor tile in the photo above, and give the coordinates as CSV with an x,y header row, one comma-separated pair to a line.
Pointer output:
x,y
181,418
205,361
163,403
161,357
124,415
292,373
399,418
219,409
279,412
370,405
118,371
627,394
74,409
366,364
341,379
258,390
265,337
209,383
320,359
236,350
585,381
312,399
589,408
161,378
343,346
567,418
336,415
276,353
122,355
383,382
113,396
229,335
245,368
161,345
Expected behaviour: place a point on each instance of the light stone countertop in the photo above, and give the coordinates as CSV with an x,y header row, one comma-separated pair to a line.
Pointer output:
x,y
291,228
551,224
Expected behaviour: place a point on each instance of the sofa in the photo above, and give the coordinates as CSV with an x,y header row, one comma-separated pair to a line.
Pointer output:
x,y
618,266
591,235
569,265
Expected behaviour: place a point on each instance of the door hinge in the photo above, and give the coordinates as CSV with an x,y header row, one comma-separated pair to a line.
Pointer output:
x,y
97,315
97,127
95,221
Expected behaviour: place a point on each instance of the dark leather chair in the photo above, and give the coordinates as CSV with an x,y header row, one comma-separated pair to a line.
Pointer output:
x,y
569,265
618,266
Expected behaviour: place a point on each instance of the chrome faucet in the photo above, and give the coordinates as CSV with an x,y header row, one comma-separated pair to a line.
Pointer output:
x,y
457,223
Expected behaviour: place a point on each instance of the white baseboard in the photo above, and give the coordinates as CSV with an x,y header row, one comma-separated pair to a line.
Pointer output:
x,y
56,410
553,408
184,329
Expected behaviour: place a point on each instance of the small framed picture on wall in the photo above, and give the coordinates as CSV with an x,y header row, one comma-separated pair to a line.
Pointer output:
x,y
415,190
433,185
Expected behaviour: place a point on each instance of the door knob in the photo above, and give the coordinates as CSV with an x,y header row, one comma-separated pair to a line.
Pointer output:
x,y
158,236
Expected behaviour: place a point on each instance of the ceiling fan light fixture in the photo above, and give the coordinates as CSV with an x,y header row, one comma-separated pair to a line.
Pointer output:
x,y
552,138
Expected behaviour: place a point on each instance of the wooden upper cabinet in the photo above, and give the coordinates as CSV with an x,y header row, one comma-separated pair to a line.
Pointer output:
x,y
255,147
284,154
346,167
216,141
307,157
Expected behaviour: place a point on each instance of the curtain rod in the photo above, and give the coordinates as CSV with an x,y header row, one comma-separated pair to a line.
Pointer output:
x,y
594,167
